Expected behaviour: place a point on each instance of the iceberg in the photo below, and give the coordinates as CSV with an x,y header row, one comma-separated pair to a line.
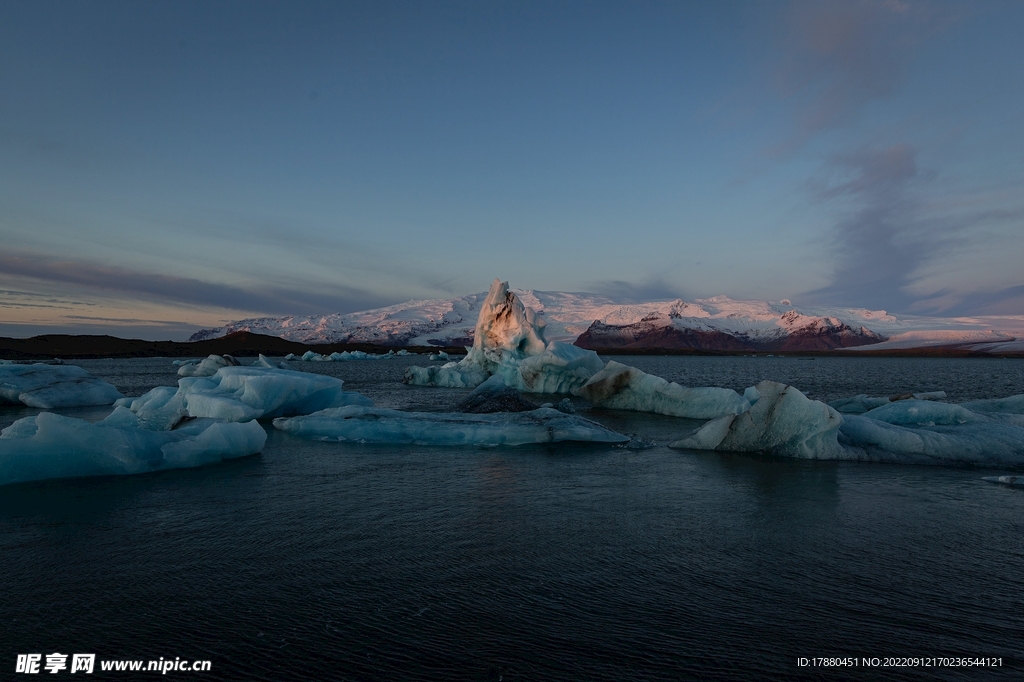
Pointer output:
x,y
859,404
239,394
48,445
783,421
494,396
53,386
509,340
1011,405
344,356
441,355
394,427
1005,480
981,442
208,367
264,361
923,413
621,387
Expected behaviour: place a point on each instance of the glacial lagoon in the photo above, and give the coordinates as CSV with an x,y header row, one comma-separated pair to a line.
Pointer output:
x,y
318,560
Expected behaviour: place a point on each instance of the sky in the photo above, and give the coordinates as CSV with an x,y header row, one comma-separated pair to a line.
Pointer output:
x,y
167,166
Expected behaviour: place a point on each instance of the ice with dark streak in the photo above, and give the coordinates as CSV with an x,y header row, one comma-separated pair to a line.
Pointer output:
x,y
786,423
509,342
622,387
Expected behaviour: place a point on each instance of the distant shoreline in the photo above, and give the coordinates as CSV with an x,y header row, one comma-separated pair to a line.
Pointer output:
x,y
247,344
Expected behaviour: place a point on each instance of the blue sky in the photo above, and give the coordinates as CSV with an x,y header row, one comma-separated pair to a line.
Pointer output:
x,y
169,166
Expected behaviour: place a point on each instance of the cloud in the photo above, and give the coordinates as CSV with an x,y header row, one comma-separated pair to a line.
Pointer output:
x,y
876,251
134,285
887,236
839,56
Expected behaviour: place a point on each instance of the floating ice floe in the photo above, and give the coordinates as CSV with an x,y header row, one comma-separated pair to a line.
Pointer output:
x,y
53,446
393,427
1011,405
264,361
207,367
239,394
441,355
52,386
859,404
1005,480
345,356
509,341
621,387
784,422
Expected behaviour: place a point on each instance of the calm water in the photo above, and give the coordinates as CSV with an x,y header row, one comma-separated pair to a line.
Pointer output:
x,y
333,561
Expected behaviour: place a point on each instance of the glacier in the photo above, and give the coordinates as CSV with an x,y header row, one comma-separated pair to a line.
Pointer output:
x,y
53,386
622,387
49,445
239,394
509,341
394,427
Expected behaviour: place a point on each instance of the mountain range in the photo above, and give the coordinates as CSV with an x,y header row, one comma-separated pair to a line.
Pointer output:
x,y
601,323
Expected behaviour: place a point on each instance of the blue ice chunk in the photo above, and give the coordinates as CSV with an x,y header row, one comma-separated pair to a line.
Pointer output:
x,y
240,394
394,427
53,386
53,446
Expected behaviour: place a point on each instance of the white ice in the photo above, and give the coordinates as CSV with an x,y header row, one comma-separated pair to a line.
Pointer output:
x,y
980,442
207,367
393,427
344,356
52,386
622,387
264,361
783,421
1005,480
53,446
509,341
859,404
239,394
1011,405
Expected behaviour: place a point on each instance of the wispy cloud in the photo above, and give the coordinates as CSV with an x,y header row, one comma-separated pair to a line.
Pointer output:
x,y
839,56
132,284
886,237
875,250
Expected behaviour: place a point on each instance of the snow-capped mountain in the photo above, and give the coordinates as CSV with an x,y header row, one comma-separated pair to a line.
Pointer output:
x,y
599,322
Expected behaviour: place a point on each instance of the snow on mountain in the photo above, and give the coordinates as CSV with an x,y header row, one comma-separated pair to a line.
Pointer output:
x,y
600,322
